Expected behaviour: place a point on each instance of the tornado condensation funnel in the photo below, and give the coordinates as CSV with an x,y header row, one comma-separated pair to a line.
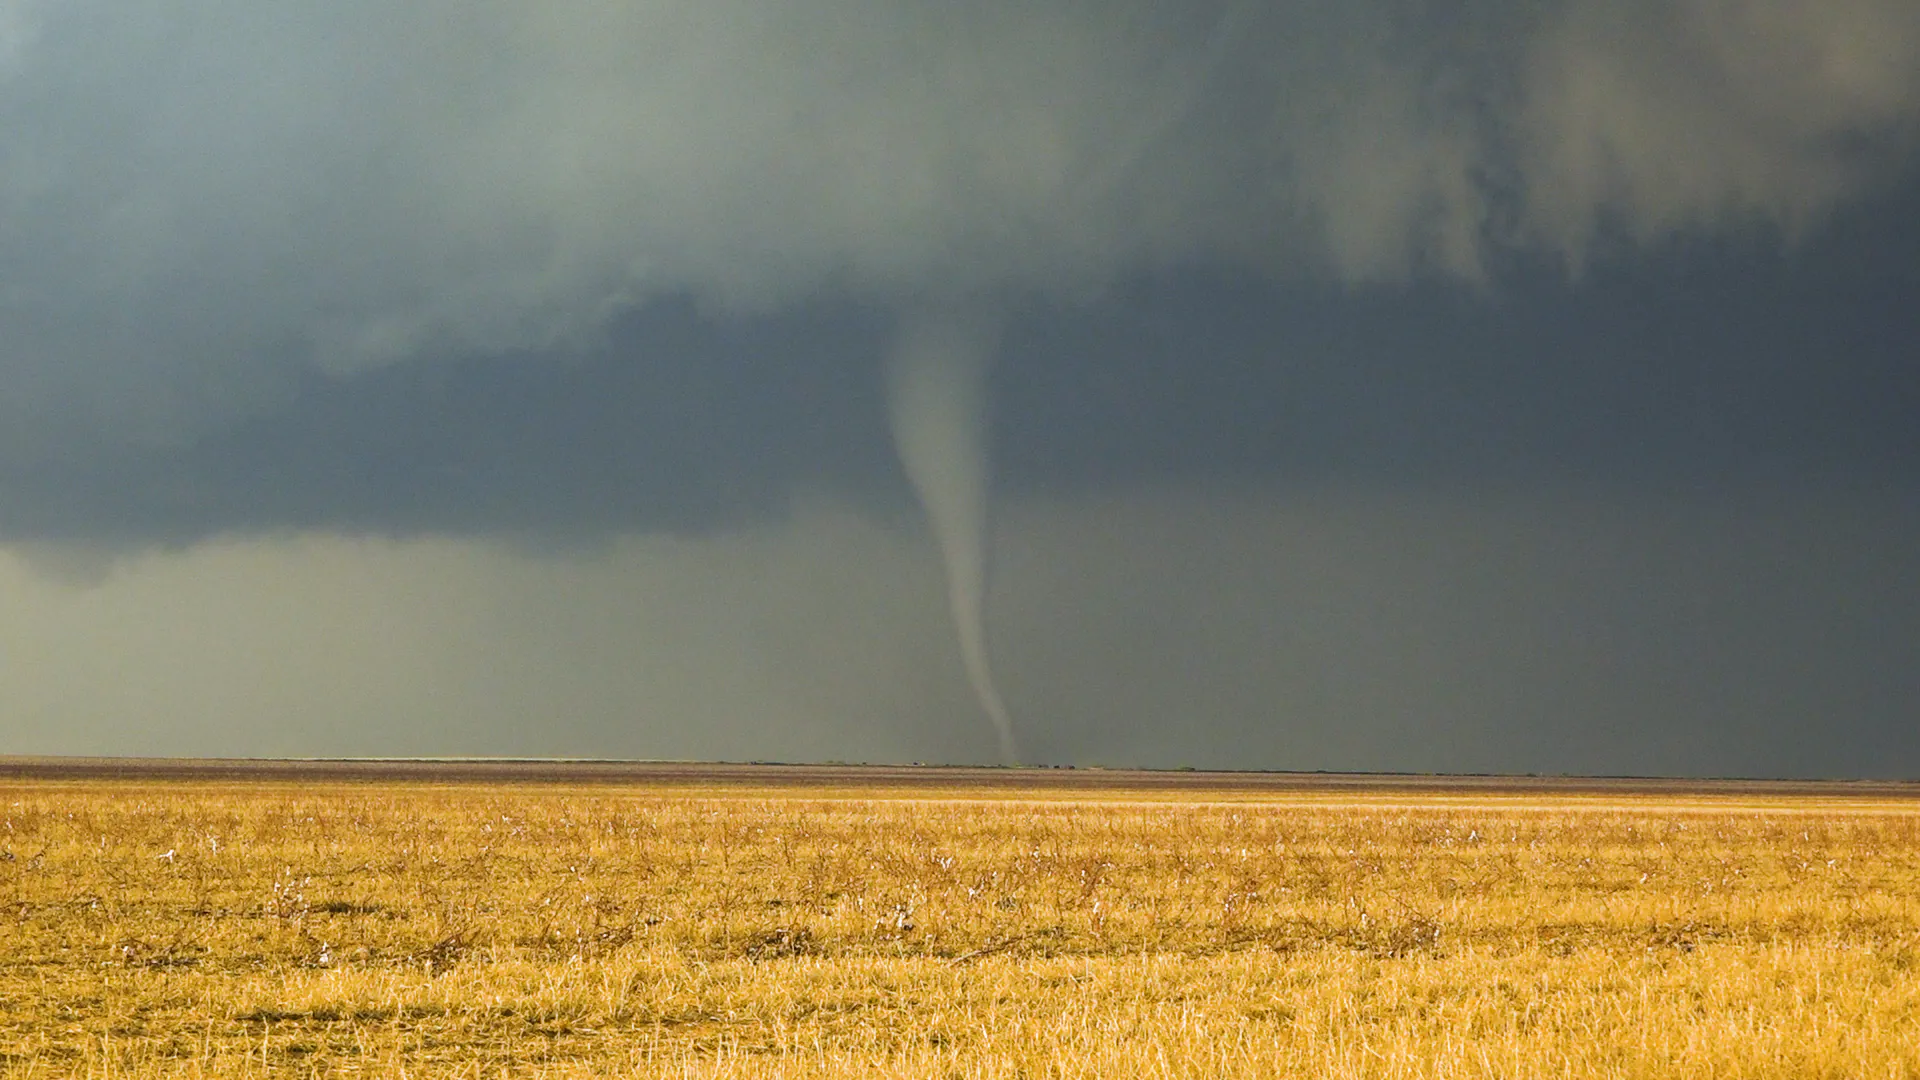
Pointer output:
x,y
937,397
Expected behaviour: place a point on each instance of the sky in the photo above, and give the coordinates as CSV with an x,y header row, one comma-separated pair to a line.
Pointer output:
x,y
1410,385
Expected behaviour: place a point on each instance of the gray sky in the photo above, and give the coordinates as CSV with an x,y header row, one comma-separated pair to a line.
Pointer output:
x,y
1385,385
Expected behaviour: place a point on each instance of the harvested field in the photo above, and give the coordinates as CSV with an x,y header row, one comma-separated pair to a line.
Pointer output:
x,y
200,920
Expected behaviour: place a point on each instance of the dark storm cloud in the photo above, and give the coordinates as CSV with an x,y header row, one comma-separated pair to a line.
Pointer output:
x,y
677,424
1724,366
274,266
1713,363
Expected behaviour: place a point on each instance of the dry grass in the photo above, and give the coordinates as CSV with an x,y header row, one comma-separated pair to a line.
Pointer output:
x,y
388,930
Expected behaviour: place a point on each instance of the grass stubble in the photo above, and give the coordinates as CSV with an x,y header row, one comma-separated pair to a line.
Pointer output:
x,y
187,929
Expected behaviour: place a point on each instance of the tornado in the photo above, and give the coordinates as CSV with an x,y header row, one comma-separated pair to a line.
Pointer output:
x,y
936,396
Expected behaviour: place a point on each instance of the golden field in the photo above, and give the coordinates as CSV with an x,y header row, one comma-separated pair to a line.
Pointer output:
x,y
339,928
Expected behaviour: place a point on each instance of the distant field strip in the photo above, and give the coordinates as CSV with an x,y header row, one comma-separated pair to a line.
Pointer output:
x,y
373,927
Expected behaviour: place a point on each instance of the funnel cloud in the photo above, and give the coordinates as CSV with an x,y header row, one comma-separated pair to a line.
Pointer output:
x,y
936,399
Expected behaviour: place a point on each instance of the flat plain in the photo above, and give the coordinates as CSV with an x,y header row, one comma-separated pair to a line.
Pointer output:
x,y
578,919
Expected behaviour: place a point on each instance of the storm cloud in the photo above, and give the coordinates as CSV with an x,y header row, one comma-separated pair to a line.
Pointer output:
x,y
200,201
536,336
